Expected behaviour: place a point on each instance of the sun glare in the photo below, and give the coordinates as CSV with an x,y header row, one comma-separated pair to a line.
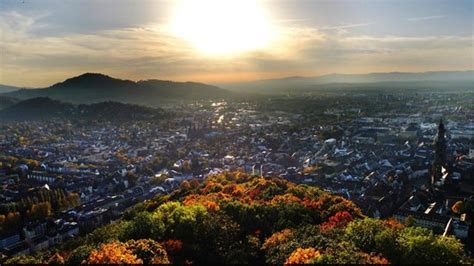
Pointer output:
x,y
222,26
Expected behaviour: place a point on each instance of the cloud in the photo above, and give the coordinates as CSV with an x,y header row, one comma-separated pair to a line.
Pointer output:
x,y
426,18
347,26
151,51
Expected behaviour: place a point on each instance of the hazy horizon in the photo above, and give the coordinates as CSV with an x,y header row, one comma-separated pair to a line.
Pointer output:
x,y
218,42
238,82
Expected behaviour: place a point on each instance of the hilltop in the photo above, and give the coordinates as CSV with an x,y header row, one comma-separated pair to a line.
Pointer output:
x,y
96,87
237,218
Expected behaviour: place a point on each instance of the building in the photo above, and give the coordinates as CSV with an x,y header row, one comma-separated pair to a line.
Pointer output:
x,y
440,168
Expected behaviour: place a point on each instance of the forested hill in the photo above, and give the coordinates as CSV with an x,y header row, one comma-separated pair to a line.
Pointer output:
x,y
43,108
95,87
237,218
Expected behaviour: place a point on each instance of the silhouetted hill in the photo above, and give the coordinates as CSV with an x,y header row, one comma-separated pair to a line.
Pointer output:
x,y
43,108
93,87
89,80
6,101
394,79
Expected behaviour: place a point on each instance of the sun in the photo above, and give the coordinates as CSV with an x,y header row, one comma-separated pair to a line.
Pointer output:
x,y
222,26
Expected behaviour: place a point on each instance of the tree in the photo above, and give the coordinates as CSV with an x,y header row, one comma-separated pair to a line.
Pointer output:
x,y
363,233
457,207
303,255
148,250
339,220
419,245
143,225
346,253
386,244
173,247
113,253
40,211
24,259
218,222
106,233
79,254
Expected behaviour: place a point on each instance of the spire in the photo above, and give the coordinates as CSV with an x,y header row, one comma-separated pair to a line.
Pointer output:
x,y
440,154
440,140
441,129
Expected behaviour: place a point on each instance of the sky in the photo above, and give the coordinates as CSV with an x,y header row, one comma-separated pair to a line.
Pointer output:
x,y
47,41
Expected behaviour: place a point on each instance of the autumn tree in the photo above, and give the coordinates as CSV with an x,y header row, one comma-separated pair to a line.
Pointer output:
x,y
113,253
39,211
457,207
235,218
303,255
24,259
148,250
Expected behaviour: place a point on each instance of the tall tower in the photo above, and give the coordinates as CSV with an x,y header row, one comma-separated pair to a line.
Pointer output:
x,y
440,162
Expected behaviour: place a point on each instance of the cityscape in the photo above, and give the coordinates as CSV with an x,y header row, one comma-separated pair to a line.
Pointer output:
x,y
373,168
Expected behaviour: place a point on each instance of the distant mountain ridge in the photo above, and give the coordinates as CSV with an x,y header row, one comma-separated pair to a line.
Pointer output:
x,y
43,108
8,88
95,87
302,83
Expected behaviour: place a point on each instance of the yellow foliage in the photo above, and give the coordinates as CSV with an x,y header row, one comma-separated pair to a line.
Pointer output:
x,y
302,256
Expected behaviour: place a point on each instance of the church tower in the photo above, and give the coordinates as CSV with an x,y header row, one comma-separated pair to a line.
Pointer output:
x,y
440,166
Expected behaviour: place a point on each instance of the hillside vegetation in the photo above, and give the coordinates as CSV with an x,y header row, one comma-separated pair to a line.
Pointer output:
x,y
94,87
237,218
43,108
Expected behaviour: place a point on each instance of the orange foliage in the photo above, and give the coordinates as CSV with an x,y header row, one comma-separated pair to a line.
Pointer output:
x,y
457,207
172,247
148,250
228,189
302,255
338,220
254,193
377,260
112,253
208,201
277,238
211,206
393,224
238,192
286,199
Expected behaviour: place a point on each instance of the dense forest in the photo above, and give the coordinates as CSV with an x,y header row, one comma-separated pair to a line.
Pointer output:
x,y
238,218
